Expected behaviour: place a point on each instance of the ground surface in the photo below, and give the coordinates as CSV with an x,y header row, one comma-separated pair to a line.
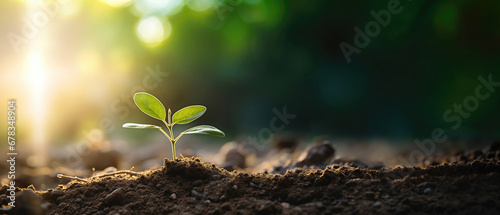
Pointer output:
x,y
187,185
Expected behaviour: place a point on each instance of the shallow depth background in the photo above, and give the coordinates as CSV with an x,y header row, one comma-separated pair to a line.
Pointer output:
x,y
74,65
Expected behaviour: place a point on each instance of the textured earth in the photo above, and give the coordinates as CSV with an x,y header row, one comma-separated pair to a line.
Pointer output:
x,y
468,185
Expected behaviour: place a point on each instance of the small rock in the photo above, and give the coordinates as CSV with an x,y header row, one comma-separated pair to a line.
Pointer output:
x,y
343,202
377,204
173,196
285,141
63,205
318,155
45,206
393,202
234,156
195,194
79,200
285,205
428,191
235,187
197,183
222,198
115,197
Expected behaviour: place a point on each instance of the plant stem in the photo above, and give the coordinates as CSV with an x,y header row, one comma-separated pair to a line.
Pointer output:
x,y
169,127
166,124
178,137
165,133
173,149
172,141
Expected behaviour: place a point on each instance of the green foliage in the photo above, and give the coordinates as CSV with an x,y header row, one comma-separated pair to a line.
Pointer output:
x,y
204,129
188,114
151,106
140,126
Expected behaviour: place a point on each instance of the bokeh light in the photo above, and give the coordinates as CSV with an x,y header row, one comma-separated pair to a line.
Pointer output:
x,y
158,7
200,5
152,31
118,3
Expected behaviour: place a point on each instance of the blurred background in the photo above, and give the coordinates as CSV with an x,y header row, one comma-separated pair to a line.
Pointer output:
x,y
73,67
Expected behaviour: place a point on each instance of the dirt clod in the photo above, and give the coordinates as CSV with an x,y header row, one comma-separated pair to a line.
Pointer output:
x,y
318,155
115,197
173,196
235,158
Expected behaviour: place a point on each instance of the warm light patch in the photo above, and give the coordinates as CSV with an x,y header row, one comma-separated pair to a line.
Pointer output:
x,y
118,3
153,31
37,80
200,5
164,8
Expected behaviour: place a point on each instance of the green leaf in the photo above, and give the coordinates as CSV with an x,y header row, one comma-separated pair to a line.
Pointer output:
x,y
140,126
188,114
204,129
150,105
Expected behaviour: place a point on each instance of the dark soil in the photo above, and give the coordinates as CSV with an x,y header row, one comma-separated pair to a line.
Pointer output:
x,y
188,185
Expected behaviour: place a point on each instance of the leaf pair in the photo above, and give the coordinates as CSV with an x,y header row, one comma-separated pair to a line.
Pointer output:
x,y
200,129
151,106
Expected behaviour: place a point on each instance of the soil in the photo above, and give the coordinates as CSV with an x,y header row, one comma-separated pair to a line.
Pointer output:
x,y
469,185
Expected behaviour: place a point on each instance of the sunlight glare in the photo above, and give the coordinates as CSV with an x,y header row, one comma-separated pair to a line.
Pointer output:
x,y
152,31
37,84
118,3
166,8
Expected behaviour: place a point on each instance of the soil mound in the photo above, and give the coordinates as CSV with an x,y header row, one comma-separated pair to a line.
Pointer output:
x,y
187,185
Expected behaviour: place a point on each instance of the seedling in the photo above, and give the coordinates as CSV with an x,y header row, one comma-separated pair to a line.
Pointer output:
x,y
151,106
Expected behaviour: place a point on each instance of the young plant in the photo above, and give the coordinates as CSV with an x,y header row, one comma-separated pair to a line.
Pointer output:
x,y
151,106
